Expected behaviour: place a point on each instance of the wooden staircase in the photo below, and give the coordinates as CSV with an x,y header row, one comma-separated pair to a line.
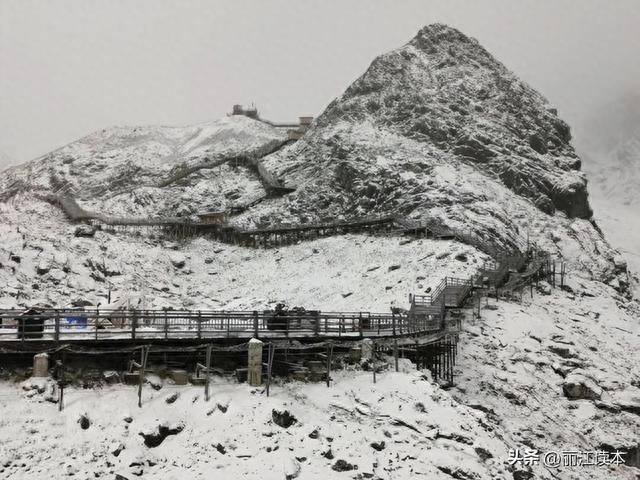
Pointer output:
x,y
452,292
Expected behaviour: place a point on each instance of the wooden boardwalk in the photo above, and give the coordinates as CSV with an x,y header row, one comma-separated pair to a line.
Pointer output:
x,y
62,325
426,315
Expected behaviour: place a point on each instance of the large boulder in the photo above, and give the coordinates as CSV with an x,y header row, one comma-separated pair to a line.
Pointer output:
x,y
577,386
154,437
85,231
628,400
178,260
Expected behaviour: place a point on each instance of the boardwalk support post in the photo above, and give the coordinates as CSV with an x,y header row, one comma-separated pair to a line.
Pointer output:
x,y
207,370
255,323
134,321
144,354
61,382
373,360
270,355
57,326
329,360
166,325
254,364
395,353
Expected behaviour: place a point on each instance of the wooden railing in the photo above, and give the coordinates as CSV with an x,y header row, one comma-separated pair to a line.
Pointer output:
x,y
66,324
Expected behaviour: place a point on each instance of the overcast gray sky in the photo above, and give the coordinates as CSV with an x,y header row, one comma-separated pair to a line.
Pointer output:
x,y
69,67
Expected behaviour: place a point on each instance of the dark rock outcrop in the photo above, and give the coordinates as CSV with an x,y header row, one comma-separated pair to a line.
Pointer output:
x,y
343,466
283,419
439,129
577,387
84,422
155,438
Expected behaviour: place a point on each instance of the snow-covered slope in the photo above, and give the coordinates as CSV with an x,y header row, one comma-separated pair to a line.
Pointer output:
x,y
348,273
610,146
137,170
513,367
438,129
403,427
616,175
518,358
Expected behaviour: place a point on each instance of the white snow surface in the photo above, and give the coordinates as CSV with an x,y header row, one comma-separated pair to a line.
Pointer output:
x,y
514,359
123,170
348,416
344,273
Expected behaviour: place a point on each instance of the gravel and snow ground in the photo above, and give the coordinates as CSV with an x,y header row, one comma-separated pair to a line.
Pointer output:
x,y
402,427
517,358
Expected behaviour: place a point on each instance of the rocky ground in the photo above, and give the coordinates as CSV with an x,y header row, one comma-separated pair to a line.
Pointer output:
x,y
402,427
556,372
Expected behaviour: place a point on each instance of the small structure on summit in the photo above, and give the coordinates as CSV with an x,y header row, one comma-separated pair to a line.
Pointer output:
x,y
302,127
251,112
294,130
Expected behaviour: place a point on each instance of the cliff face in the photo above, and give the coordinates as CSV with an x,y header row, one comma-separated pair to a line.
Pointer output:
x,y
444,93
444,89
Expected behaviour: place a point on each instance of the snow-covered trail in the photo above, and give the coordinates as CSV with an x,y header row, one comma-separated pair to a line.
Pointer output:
x,y
343,273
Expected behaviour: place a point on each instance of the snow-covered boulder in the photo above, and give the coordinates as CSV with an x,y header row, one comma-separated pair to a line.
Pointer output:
x,y
178,260
577,386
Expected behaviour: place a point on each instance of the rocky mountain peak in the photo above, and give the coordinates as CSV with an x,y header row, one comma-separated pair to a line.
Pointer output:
x,y
435,131
444,90
439,130
439,36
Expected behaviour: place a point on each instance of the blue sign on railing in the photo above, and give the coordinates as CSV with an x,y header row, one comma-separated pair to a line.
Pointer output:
x,y
78,321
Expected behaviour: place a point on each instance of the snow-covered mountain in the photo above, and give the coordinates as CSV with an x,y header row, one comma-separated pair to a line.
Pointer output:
x,y
609,143
615,175
145,171
436,129
446,100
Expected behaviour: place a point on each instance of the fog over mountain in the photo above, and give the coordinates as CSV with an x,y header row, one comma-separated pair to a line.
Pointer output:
x,y
70,67
609,144
5,160
611,123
